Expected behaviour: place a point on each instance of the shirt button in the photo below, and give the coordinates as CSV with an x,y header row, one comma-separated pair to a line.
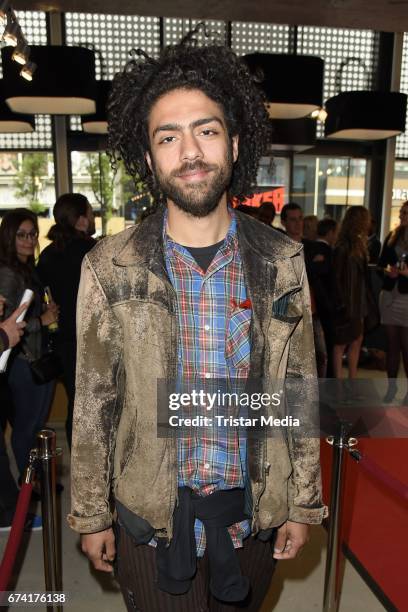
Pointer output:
x,y
206,466
207,375
207,327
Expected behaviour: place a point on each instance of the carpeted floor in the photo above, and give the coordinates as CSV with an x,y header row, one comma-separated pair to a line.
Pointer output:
x,y
375,518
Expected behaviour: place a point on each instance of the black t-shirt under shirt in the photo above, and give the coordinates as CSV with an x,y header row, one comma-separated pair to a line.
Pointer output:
x,y
204,255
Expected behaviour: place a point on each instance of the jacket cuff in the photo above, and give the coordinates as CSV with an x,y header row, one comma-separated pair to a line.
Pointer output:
x,y
311,516
90,524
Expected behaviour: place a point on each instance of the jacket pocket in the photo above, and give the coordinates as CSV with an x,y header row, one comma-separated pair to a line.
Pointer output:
x,y
281,328
125,447
290,321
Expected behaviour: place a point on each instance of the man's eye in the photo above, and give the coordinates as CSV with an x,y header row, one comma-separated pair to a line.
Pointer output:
x,y
209,132
167,139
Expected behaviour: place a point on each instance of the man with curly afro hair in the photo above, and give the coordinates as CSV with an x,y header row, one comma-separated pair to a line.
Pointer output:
x,y
192,515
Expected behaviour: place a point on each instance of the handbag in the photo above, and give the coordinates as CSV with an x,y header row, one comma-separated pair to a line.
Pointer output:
x,y
46,368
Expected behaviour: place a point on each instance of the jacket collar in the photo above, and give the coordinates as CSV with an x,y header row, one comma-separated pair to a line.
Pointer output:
x,y
267,242
145,241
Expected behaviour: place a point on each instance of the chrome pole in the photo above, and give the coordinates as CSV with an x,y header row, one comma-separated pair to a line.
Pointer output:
x,y
47,454
331,581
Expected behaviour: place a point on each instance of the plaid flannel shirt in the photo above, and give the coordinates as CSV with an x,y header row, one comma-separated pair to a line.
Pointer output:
x,y
214,320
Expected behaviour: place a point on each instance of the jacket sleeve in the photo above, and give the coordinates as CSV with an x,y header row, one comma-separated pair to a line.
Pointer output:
x,y
387,257
12,288
97,405
304,486
9,288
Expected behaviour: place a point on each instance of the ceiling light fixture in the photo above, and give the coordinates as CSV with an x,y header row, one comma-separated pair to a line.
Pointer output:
x,y
64,82
28,70
364,114
98,122
13,37
21,53
293,84
319,114
12,32
293,134
4,8
11,123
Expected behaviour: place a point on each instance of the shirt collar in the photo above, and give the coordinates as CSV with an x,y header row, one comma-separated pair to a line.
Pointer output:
x,y
230,240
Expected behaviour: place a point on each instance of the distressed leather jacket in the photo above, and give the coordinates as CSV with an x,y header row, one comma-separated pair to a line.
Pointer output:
x,y
127,339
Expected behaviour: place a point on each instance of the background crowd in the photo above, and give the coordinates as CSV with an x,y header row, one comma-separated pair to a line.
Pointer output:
x,y
339,260
344,307
47,350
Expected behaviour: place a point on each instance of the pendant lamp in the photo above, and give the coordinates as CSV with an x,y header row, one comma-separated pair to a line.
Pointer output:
x,y
11,123
293,134
364,114
293,84
97,123
62,84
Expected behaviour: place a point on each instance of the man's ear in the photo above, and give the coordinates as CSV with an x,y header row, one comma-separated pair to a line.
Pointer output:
x,y
235,147
148,160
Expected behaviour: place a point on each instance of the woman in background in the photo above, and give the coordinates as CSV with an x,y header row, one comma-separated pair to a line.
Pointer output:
x,y
393,265
354,305
59,268
31,401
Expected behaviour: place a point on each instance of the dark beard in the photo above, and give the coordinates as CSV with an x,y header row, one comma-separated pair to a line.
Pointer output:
x,y
198,199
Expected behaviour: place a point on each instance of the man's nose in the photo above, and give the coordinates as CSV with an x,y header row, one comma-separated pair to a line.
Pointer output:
x,y
190,148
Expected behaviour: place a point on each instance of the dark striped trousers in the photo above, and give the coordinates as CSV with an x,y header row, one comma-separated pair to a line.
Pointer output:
x,y
136,573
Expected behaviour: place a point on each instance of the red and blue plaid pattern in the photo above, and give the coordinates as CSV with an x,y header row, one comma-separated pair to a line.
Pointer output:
x,y
214,317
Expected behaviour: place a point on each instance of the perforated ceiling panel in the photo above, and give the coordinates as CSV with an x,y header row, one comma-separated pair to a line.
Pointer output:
x,y
262,37
174,30
34,27
112,37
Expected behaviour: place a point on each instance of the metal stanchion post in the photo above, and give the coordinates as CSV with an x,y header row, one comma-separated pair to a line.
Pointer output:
x,y
47,454
331,590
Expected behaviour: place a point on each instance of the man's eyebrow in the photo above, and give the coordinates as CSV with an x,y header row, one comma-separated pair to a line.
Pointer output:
x,y
207,120
176,127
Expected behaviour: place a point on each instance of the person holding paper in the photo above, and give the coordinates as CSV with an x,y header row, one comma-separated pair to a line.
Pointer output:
x,y
10,330
18,243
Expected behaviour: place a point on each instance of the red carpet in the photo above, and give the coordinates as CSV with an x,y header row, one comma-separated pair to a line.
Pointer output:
x,y
375,518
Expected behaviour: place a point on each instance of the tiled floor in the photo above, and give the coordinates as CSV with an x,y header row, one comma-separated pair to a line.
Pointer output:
x,y
297,584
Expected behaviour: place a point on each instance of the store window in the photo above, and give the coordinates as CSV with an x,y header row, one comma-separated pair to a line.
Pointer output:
x,y
272,183
116,200
27,181
399,190
325,186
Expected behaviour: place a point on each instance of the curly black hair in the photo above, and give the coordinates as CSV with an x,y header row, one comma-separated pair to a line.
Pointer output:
x,y
216,71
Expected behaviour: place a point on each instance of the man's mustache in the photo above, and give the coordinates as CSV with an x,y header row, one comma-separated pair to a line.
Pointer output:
x,y
190,167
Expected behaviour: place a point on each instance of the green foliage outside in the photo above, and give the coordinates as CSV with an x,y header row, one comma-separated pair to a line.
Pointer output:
x,y
102,184
108,186
133,190
31,181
